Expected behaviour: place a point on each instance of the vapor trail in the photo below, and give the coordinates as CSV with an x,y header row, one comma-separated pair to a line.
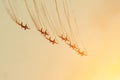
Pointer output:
x,y
59,18
12,13
37,12
45,13
50,20
31,15
66,11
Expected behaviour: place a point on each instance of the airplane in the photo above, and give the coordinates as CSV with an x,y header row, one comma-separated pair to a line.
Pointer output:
x,y
64,38
52,41
72,46
24,26
45,33
41,31
81,53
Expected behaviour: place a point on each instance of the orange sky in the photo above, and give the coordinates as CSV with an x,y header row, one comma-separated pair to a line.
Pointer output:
x,y
26,55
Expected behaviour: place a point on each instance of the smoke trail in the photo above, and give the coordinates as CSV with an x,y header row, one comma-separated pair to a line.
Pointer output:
x,y
31,15
59,18
50,20
37,12
66,11
45,13
12,13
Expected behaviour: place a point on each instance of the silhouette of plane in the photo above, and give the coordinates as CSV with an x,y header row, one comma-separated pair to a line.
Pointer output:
x,y
52,41
45,33
64,38
24,26
81,53
41,31
72,45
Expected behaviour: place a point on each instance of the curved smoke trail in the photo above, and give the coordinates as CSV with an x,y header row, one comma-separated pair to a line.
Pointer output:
x,y
52,28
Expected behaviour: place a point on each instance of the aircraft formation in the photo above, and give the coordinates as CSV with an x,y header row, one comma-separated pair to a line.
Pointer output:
x,y
51,28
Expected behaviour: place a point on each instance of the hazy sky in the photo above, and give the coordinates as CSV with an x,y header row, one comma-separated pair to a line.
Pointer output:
x,y
26,55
